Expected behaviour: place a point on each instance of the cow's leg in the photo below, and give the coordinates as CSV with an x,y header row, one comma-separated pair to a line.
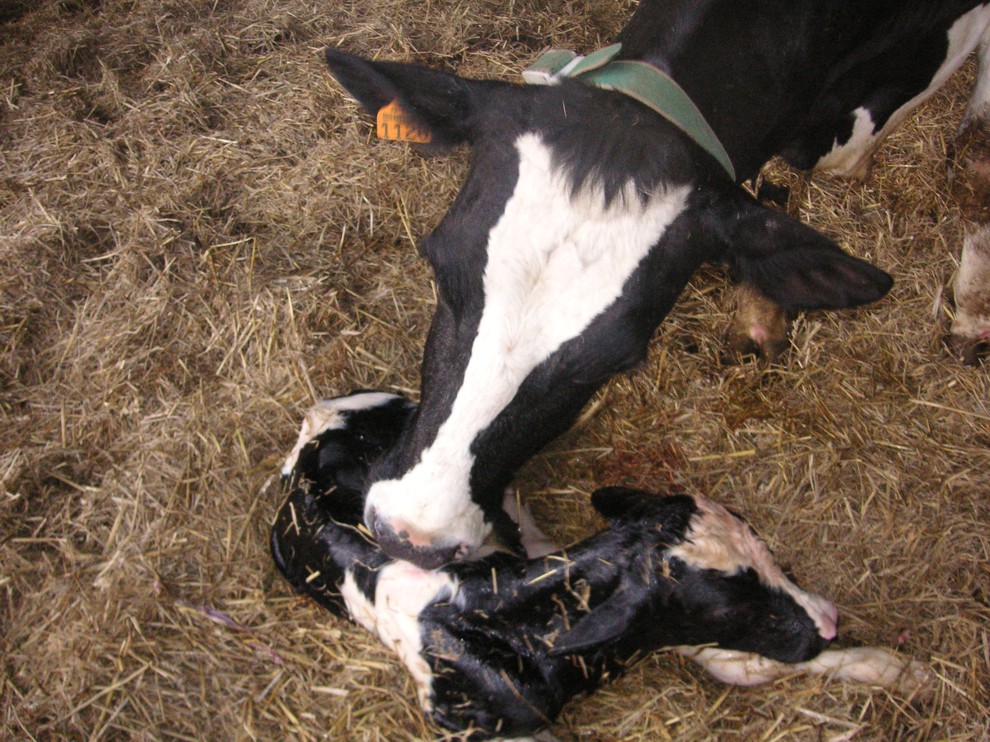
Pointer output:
x,y
969,335
534,541
515,527
759,326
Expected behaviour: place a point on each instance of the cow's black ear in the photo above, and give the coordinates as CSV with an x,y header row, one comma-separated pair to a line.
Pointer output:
x,y
442,104
604,625
795,266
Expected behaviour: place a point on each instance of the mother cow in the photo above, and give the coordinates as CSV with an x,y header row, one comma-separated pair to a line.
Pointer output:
x,y
585,213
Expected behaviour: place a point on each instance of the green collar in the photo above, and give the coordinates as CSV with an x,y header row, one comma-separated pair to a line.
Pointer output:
x,y
638,80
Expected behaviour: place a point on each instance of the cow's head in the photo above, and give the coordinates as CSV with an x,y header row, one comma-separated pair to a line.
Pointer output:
x,y
582,218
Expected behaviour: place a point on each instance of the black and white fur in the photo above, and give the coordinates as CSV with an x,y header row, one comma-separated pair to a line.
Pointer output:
x,y
585,213
498,645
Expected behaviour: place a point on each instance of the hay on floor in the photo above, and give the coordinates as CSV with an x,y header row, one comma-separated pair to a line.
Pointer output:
x,y
199,237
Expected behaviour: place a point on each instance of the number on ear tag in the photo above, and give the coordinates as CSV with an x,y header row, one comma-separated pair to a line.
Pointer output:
x,y
395,124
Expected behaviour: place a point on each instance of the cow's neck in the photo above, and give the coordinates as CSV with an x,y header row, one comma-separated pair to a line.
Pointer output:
x,y
737,87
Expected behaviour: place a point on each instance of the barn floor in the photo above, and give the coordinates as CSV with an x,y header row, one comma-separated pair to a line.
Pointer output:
x,y
199,237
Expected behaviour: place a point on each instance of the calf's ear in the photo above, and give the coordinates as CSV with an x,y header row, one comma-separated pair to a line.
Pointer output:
x,y
605,624
621,503
442,104
795,266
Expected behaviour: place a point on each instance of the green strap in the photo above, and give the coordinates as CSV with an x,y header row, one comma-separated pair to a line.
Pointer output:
x,y
595,60
640,81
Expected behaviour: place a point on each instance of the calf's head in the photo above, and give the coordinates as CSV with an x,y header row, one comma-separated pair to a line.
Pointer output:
x,y
710,580
582,218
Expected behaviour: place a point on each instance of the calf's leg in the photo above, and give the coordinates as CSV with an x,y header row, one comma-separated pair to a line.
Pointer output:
x,y
868,665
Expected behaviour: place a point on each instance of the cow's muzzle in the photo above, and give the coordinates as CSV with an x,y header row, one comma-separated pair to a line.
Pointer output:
x,y
402,542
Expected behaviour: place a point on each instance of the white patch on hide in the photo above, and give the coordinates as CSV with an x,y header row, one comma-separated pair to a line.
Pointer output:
x,y
402,591
325,415
719,540
555,262
361,609
852,159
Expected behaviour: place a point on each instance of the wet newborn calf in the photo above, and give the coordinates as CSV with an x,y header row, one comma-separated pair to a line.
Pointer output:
x,y
498,645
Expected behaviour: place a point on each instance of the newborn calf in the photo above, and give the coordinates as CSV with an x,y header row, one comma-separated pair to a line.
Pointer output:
x,y
498,645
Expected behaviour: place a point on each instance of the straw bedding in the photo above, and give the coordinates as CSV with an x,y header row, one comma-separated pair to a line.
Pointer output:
x,y
199,237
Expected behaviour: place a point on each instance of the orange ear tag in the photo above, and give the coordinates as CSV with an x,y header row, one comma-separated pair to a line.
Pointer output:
x,y
395,124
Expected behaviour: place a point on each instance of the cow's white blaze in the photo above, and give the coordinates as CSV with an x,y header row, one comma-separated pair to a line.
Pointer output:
x,y
719,540
852,158
555,260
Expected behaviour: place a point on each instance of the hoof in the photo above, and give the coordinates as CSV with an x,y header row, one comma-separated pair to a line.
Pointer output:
x,y
743,347
967,350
